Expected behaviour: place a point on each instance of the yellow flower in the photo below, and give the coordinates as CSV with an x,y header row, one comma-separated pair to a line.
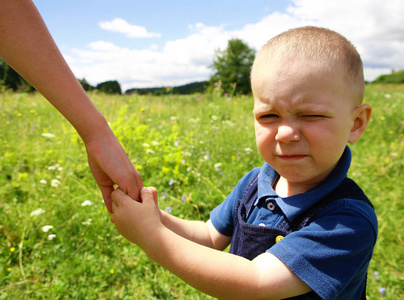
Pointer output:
x,y
12,249
112,271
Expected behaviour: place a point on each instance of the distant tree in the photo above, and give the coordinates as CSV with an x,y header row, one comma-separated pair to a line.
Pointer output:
x,y
233,66
186,89
394,77
158,92
191,88
85,85
109,87
10,79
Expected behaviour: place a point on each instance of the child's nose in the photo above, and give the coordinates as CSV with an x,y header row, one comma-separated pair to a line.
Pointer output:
x,y
287,133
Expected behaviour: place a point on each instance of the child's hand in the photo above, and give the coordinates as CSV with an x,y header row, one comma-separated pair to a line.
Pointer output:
x,y
136,221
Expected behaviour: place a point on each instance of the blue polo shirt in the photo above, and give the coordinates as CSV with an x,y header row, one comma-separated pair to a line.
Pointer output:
x,y
331,255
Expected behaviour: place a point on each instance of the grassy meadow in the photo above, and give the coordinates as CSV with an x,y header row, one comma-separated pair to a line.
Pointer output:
x,y
56,240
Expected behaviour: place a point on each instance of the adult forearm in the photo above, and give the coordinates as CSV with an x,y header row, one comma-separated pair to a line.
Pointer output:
x,y
27,46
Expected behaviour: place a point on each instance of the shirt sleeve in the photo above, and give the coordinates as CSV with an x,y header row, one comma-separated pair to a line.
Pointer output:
x,y
222,216
331,255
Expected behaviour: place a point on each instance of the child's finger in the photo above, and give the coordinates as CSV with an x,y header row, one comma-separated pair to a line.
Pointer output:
x,y
146,194
114,206
154,192
117,197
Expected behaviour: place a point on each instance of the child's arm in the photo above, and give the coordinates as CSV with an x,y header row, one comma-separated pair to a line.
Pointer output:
x,y
196,231
213,272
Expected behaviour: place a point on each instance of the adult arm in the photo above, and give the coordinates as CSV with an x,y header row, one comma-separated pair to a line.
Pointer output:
x,y
213,272
27,46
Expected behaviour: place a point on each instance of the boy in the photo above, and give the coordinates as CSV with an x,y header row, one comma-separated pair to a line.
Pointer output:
x,y
297,226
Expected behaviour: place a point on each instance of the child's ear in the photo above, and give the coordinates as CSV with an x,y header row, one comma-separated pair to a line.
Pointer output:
x,y
362,116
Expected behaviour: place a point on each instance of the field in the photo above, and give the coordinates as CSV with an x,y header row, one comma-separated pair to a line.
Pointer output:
x,y
56,240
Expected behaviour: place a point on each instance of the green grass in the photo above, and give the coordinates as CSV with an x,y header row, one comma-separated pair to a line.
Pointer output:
x,y
193,149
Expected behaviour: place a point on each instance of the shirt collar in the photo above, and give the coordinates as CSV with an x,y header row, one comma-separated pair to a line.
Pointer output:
x,y
294,205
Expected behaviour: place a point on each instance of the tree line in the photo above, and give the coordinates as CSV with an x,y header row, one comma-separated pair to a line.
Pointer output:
x,y
231,67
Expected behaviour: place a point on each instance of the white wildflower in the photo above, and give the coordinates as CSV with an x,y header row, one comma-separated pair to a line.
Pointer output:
x,y
228,123
55,183
46,228
51,236
217,166
86,203
51,168
48,135
37,212
248,150
43,181
88,222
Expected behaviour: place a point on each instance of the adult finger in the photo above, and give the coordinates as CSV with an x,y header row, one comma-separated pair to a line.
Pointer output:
x,y
114,208
106,192
132,184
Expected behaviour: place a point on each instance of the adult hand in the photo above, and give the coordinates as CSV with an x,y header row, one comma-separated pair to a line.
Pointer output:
x,y
111,166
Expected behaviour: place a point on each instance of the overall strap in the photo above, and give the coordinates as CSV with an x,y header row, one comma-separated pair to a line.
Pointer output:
x,y
347,189
251,194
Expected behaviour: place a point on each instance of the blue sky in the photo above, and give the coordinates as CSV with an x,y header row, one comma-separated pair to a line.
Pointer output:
x,y
154,43
76,23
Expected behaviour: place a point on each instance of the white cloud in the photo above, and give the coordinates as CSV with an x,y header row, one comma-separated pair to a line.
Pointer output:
x,y
374,26
131,31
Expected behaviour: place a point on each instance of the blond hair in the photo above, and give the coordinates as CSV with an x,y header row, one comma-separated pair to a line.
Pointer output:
x,y
325,47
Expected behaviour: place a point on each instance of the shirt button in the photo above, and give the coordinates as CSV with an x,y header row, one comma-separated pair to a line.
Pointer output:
x,y
261,224
271,206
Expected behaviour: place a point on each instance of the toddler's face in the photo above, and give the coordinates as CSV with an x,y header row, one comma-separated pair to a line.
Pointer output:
x,y
303,119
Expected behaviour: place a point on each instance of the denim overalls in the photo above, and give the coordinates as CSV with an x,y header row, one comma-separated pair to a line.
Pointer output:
x,y
250,240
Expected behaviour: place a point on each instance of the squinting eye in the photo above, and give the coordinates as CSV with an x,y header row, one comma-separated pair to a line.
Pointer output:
x,y
314,116
268,116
